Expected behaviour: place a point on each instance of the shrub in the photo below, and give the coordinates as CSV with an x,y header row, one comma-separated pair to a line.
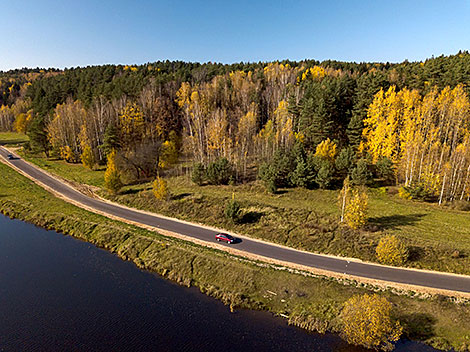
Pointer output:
x,y
232,210
366,321
68,154
419,191
199,173
112,178
356,209
391,251
219,172
404,193
160,189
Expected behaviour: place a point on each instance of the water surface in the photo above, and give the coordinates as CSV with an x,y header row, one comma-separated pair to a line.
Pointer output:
x,y
59,293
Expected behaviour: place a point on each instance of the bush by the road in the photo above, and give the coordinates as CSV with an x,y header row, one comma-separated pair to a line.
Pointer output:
x,y
391,251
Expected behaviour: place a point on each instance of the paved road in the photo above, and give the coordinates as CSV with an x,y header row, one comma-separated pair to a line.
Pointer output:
x,y
366,270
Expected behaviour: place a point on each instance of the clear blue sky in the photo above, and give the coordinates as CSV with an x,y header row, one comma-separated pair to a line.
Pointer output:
x,y
63,33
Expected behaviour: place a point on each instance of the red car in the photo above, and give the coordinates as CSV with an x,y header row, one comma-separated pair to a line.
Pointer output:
x,y
224,238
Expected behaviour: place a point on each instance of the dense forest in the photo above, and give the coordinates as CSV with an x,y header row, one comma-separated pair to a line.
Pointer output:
x,y
305,124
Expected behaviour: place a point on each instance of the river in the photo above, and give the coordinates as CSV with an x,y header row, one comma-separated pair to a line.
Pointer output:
x,y
58,293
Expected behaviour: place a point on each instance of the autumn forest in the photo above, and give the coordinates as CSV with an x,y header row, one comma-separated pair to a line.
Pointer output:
x,y
291,124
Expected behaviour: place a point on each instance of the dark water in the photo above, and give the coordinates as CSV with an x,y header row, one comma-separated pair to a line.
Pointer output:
x,y
58,293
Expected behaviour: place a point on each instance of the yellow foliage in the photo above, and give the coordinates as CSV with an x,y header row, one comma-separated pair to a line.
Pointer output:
x,y
284,125
431,182
217,131
130,68
64,129
391,251
112,178
367,322
315,72
131,120
426,137
160,189
326,150
87,157
299,136
169,154
22,120
68,155
403,193
267,131
356,209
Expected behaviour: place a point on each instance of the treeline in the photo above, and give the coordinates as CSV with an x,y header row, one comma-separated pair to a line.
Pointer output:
x,y
306,123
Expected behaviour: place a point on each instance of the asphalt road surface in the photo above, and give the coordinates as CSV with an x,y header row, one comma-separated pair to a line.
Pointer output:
x,y
366,270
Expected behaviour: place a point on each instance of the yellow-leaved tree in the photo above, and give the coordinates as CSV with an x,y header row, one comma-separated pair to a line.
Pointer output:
x,y
367,322
355,213
392,251
169,154
87,157
112,178
160,189
131,121
326,150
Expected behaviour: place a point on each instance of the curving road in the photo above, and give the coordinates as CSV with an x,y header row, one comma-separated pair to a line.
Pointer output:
x,y
333,264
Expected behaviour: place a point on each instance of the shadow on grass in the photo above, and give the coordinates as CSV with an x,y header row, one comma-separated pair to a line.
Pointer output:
x,y
12,141
418,326
130,191
251,217
180,196
415,253
395,221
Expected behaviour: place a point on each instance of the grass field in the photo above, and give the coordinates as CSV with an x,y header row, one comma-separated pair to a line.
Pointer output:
x,y
306,219
73,172
13,138
308,301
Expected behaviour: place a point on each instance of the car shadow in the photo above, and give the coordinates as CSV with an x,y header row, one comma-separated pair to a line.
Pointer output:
x,y
237,240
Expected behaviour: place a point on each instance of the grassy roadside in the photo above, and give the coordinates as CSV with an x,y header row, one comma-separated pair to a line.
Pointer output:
x,y
306,219
13,138
310,302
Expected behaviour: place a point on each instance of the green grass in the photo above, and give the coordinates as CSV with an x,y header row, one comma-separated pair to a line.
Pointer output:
x,y
13,138
306,219
311,302
73,172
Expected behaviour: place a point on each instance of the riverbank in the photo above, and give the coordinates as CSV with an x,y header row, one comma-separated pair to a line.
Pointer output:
x,y
308,301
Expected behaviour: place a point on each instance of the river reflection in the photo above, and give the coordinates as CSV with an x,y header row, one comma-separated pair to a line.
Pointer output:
x,y
58,293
